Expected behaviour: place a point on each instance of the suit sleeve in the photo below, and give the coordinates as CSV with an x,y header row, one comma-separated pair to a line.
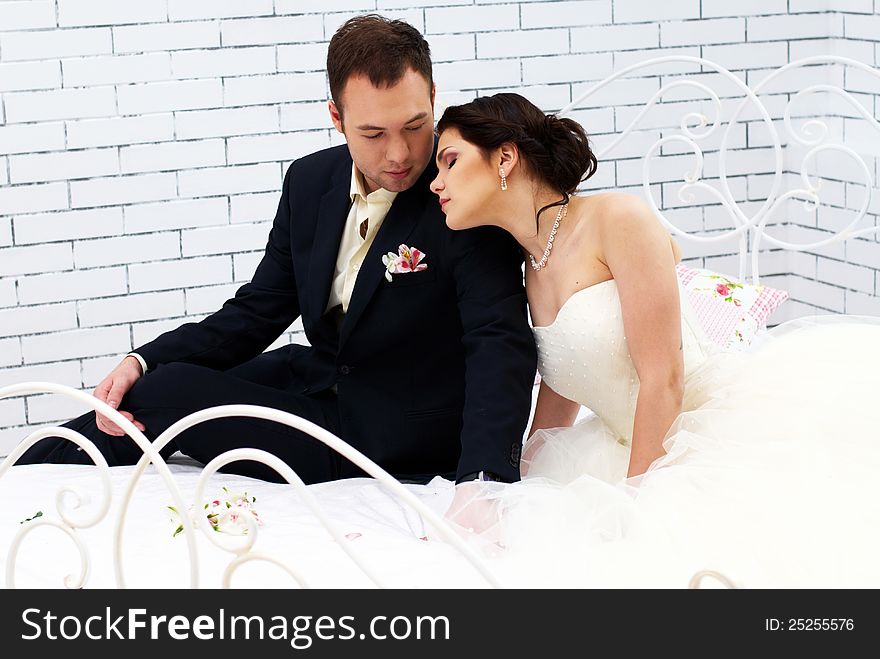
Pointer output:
x,y
250,321
500,354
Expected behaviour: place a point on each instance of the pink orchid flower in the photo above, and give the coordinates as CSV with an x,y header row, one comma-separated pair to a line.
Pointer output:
x,y
411,259
407,259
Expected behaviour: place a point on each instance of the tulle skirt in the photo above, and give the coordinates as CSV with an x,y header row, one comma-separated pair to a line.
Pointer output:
x,y
770,479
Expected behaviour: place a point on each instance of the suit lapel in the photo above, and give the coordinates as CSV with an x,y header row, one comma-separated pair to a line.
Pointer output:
x,y
402,218
332,213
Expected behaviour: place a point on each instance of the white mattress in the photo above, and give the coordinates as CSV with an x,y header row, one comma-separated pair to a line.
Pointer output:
x,y
387,534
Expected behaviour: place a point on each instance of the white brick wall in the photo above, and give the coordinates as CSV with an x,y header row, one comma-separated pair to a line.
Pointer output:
x,y
172,156
220,123
168,275
5,232
30,138
13,411
31,320
121,190
258,90
187,10
130,308
109,12
176,214
128,249
699,32
119,130
252,207
60,104
27,14
471,19
223,62
272,31
165,37
637,11
36,258
63,166
206,299
241,238
66,373
78,343
168,96
714,8
143,145
37,45
29,75
8,296
10,352
59,286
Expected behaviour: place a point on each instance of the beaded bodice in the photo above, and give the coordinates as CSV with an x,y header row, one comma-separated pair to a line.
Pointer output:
x,y
583,356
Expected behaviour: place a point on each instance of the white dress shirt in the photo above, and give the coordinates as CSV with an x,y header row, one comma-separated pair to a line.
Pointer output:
x,y
353,248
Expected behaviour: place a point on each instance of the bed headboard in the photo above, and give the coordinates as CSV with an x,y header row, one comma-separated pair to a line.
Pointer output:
x,y
802,145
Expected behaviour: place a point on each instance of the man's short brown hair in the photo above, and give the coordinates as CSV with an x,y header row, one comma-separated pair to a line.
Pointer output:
x,y
378,48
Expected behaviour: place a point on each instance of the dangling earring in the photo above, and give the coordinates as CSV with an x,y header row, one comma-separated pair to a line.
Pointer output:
x,y
503,178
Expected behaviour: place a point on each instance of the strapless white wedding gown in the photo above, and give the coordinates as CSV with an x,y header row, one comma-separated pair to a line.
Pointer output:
x,y
770,477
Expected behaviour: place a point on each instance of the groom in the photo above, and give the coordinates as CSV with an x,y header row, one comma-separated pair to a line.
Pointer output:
x,y
421,355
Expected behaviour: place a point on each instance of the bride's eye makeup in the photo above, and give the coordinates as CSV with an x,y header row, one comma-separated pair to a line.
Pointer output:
x,y
450,159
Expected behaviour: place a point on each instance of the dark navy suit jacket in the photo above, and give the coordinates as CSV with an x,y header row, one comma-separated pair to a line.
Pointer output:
x,y
434,370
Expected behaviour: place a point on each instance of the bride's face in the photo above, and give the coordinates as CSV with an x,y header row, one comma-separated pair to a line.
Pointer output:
x,y
465,181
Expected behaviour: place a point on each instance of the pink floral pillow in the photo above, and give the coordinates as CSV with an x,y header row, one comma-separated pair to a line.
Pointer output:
x,y
730,311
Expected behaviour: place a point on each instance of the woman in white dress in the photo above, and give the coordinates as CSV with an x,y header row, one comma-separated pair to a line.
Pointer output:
x,y
761,465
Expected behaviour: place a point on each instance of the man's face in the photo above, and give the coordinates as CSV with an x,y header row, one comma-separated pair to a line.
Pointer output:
x,y
389,130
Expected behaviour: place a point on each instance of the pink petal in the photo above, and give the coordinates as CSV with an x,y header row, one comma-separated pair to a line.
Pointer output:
x,y
352,536
420,267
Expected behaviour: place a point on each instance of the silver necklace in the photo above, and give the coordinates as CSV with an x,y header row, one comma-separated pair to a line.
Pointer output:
x,y
537,265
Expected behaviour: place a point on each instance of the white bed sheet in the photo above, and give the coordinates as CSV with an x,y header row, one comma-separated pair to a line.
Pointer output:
x,y
387,533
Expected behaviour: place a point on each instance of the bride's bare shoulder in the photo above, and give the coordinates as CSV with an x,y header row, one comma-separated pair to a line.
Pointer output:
x,y
620,207
619,215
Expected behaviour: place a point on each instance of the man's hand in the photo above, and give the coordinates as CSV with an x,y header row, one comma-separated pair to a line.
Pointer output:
x,y
112,389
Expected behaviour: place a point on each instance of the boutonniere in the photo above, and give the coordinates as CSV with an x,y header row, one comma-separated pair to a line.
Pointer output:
x,y
407,259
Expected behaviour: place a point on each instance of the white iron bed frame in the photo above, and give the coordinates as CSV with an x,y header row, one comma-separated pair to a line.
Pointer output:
x,y
751,233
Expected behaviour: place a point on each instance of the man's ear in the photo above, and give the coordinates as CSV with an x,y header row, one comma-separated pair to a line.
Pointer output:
x,y
335,116
433,94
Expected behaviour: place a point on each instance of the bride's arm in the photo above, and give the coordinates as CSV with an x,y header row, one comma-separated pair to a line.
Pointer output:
x,y
552,410
638,252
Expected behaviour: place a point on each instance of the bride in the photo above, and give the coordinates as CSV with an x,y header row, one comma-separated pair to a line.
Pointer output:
x,y
760,465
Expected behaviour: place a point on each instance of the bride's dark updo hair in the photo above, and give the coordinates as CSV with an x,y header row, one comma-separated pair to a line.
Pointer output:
x,y
556,149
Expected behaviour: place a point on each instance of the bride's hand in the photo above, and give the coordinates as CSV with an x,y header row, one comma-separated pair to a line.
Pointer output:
x,y
639,464
472,513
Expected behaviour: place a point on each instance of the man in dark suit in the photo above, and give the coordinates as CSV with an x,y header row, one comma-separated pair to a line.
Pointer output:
x,y
421,355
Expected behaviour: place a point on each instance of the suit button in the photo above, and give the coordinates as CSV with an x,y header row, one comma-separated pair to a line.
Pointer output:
x,y
344,370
